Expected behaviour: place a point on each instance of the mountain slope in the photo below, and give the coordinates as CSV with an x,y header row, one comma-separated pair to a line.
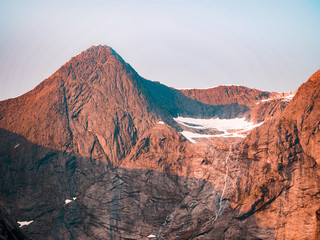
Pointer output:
x,y
94,105
93,153
286,150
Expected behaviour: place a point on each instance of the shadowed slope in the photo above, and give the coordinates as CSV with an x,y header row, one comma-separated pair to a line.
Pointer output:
x,y
10,229
177,103
259,105
115,203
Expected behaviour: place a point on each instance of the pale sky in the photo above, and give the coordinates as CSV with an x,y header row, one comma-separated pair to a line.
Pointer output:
x,y
264,44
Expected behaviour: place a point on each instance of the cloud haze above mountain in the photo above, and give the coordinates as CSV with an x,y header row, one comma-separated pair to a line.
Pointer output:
x,y
269,45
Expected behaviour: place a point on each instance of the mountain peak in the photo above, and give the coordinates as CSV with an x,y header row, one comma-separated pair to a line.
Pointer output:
x,y
98,49
96,95
98,54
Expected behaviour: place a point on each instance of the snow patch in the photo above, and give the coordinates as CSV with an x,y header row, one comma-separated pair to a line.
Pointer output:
x,y
161,122
24,223
152,236
266,100
214,123
190,136
17,145
236,127
67,201
288,98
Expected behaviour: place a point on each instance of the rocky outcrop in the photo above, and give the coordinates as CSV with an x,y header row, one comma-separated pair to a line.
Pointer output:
x,y
282,183
304,113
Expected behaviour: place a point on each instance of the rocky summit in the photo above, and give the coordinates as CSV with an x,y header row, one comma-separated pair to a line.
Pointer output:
x,y
98,152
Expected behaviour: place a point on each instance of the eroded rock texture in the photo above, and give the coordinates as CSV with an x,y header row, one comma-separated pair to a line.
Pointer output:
x,y
289,184
94,105
94,153
257,105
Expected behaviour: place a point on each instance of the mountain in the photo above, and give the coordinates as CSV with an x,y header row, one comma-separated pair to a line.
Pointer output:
x,y
97,152
96,102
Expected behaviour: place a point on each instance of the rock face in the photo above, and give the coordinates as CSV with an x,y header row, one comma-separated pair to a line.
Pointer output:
x,y
286,150
94,153
9,229
176,103
224,95
94,106
257,105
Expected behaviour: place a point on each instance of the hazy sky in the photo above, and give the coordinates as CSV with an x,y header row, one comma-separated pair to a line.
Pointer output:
x,y
264,44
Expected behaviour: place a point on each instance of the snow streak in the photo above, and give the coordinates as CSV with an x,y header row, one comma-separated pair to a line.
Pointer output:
x,y
225,184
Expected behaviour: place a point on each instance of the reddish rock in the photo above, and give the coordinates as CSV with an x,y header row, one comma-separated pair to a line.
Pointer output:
x,y
282,175
89,134
260,105
94,105
224,95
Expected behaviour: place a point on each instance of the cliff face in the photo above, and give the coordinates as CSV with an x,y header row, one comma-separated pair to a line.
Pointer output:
x,y
94,153
305,115
282,175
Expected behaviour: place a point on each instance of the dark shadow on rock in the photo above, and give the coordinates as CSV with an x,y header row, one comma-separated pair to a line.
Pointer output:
x,y
10,229
176,103
105,202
